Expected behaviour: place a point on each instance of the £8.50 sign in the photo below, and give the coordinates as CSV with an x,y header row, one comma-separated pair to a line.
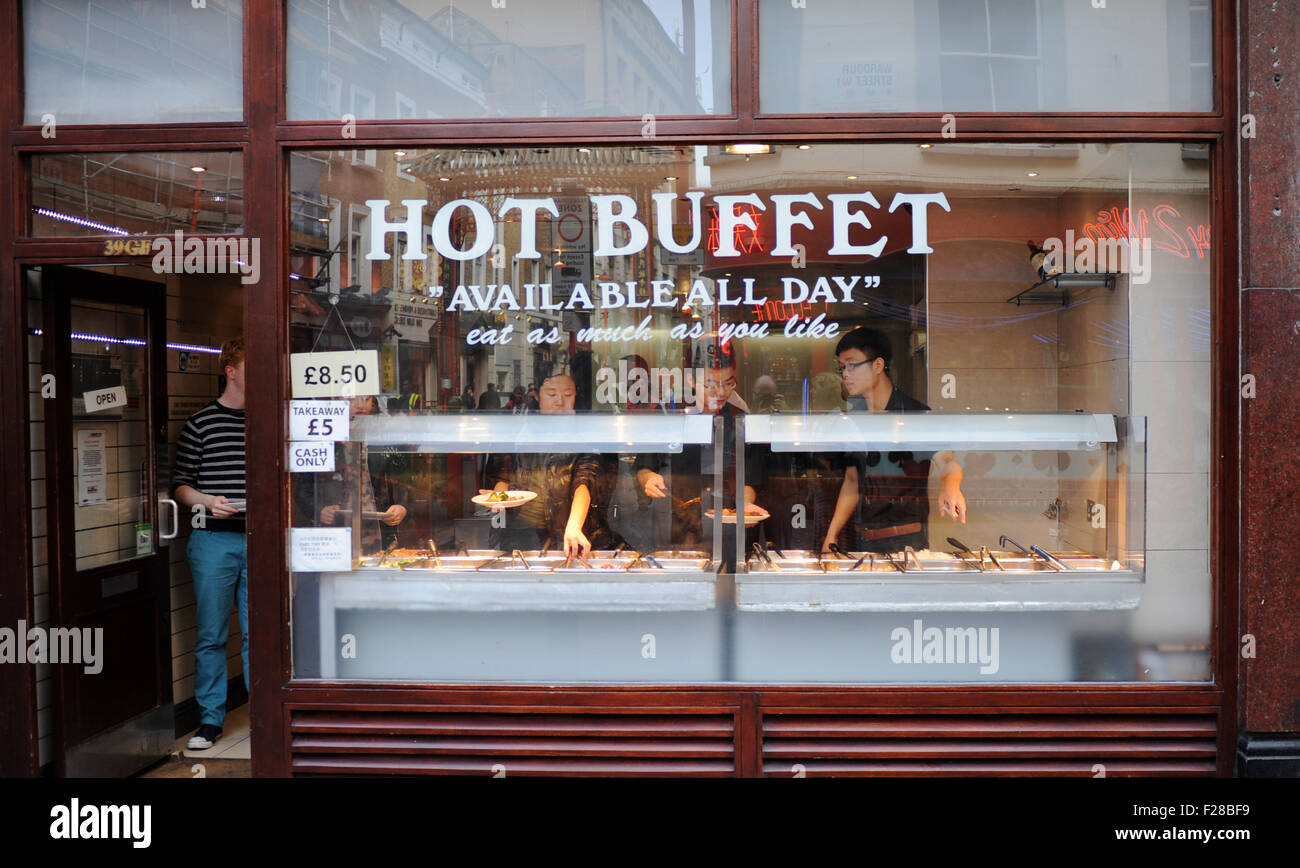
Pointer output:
x,y
336,374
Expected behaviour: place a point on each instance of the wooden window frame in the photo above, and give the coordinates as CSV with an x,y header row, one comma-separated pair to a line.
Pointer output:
x,y
266,139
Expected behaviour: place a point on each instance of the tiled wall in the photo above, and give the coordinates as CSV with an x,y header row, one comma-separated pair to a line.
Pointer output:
x,y
206,312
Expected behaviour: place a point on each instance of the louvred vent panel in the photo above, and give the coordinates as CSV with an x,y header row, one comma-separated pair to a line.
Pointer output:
x,y
969,745
503,743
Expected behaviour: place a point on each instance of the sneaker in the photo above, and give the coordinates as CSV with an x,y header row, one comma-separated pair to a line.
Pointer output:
x,y
205,738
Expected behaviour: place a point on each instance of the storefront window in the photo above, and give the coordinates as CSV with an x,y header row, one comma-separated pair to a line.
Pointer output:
x,y
417,59
959,394
137,193
885,56
122,62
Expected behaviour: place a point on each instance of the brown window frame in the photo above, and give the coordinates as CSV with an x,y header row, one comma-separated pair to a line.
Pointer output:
x,y
266,139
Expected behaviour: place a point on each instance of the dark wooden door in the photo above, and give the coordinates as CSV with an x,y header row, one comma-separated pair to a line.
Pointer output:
x,y
109,588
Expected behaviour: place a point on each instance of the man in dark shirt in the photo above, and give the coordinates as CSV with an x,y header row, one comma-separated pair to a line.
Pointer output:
x,y
888,491
690,473
209,479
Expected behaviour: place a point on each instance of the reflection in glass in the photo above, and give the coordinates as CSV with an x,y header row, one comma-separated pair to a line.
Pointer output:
x,y
123,62
1050,304
418,59
984,56
137,193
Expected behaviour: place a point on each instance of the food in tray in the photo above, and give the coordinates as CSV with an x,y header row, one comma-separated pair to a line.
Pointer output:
x,y
753,515
503,499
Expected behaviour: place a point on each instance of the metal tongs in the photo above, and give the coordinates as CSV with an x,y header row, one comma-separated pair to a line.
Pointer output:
x,y
433,547
964,551
865,556
516,553
908,550
835,550
392,546
760,554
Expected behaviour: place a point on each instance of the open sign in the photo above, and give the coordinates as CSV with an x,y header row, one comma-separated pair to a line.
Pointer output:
x,y
104,399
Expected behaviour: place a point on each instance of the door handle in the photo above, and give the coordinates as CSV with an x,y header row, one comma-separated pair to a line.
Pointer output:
x,y
176,519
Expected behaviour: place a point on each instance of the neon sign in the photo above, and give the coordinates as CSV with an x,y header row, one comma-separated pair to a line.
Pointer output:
x,y
1117,223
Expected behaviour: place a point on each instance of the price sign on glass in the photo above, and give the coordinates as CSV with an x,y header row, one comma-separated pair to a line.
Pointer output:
x,y
335,375
318,420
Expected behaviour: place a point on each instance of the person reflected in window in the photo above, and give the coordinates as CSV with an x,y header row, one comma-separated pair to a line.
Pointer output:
x,y
561,514
377,483
888,492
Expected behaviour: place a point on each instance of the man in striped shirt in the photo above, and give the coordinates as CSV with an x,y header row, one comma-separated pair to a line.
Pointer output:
x,y
209,479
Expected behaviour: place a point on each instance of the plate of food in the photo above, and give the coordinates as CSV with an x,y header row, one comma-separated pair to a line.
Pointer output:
x,y
503,499
753,515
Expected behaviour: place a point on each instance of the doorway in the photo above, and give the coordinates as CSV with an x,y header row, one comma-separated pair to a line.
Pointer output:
x,y
105,432
108,548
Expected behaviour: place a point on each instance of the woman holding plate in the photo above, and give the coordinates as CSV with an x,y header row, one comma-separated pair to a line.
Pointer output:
x,y
563,483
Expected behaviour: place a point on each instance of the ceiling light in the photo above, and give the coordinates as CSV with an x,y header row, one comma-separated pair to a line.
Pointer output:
x,y
1032,174
584,150
444,178
853,177
747,148
670,177
804,147
925,146
198,170
399,154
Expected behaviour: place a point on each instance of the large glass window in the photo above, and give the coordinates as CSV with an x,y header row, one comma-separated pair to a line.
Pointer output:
x,y
883,56
123,62
137,193
958,396
487,59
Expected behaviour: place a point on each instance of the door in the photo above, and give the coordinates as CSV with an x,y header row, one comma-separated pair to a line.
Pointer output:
x,y
109,587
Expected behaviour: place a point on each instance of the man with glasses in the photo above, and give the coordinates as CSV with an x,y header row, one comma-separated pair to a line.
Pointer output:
x,y
888,492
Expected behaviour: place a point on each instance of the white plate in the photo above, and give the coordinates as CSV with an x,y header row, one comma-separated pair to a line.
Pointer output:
x,y
517,498
751,519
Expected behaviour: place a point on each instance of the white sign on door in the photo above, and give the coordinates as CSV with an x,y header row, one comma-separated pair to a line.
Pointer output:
x,y
104,399
343,374
318,420
311,457
320,549
92,473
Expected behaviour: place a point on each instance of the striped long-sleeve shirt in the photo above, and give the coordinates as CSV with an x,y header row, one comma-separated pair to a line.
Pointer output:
x,y
210,458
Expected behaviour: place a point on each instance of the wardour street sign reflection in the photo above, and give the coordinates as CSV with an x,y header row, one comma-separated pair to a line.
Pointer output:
x,y
619,210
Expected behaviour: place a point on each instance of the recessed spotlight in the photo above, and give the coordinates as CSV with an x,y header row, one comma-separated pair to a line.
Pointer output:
x,y
804,147
322,219
853,177
584,150
925,146
670,177
399,154
444,178
1032,174
198,170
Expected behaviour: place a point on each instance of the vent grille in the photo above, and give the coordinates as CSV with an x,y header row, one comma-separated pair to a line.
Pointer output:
x,y
960,745
325,742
